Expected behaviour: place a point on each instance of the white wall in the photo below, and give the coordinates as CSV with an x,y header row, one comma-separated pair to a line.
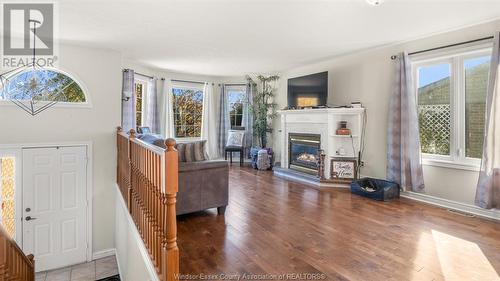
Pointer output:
x,y
160,73
100,73
131,262
367,77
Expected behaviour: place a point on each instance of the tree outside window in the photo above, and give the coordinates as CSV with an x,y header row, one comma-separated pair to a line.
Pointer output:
x,y
58,87
139,93
188,112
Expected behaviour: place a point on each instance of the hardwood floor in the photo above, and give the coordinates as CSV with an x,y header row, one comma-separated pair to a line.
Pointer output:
x,y
277,226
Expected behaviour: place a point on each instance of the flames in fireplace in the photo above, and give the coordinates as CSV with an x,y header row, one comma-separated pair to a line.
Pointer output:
x,y
303,152
307,157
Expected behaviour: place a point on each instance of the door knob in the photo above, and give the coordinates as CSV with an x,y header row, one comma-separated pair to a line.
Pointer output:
x,y
28,218
28,209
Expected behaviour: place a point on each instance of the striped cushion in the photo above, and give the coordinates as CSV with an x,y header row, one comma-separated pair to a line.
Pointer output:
x,y
189,152
192,151
181,149
199,150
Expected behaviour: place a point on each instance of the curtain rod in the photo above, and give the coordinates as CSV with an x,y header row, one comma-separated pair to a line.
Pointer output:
x,y
187,81
393,57
144,75
235,84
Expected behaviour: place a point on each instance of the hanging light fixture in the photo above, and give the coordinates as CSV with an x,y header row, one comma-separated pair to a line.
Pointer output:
x,y
32,87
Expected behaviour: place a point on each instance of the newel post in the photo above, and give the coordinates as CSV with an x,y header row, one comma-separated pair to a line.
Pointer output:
x,y
3,254
31,272
129,189
170,251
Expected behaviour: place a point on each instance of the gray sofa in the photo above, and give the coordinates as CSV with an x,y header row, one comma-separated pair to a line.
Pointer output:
x,y
202,184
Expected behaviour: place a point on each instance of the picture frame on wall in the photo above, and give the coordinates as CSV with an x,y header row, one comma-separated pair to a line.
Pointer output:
x,y
343,169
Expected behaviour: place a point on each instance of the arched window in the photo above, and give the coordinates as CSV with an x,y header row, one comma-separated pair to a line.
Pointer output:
x,y
45,85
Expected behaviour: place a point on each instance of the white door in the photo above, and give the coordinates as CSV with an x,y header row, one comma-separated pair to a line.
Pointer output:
x,y
55,206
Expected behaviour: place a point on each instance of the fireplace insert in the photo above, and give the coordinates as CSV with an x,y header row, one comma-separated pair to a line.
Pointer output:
x,y
303,152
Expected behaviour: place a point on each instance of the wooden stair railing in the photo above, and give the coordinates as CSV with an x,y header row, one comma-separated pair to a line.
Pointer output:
x,y
147,177
14,264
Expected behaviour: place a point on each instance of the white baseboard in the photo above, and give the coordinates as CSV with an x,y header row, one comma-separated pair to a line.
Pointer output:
x,y
119,268
449,204
104,253
137,237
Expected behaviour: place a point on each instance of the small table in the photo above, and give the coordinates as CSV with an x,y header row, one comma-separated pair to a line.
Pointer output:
x,y
232,149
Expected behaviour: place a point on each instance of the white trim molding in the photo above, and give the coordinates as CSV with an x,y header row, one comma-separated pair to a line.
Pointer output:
x,y
475,167
103,254
449,204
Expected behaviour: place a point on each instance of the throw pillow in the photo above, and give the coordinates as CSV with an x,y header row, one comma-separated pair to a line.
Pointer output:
x,y
181,151
235,138
160,143
189,152
199,150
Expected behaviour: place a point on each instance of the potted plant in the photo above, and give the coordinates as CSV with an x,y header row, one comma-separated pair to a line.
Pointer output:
x,y
263,109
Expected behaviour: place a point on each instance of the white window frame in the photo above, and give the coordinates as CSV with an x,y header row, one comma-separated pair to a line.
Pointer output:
x,y
455,57
61,104
238,88
188,86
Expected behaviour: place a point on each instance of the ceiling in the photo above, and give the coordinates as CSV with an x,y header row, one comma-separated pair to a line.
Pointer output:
x,y
236,37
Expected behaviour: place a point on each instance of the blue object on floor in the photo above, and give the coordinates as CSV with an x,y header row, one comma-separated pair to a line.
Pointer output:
x,y
254,151
375,189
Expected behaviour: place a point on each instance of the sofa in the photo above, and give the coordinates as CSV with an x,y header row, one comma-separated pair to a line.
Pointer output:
x,y
202,184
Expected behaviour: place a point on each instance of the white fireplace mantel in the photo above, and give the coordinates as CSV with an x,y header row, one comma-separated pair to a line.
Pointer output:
x,y
325,123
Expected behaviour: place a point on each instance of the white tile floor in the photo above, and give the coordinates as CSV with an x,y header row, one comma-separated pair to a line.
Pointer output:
x,y
90,271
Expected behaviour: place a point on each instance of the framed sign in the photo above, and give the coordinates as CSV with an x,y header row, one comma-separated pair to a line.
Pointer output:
x,y
343,169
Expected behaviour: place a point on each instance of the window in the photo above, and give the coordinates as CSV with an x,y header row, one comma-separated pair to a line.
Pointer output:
x,y
7,199
236,98
58,87
139,94
434,111
187,111
476,82
451,93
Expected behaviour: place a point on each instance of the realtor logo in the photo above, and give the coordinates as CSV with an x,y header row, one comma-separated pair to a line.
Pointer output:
x,y
28,27
19,31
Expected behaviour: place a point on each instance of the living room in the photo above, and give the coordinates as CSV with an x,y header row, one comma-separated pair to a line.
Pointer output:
x,y
253,137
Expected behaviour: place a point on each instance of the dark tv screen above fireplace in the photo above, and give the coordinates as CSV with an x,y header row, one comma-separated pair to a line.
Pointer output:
x,y
308,91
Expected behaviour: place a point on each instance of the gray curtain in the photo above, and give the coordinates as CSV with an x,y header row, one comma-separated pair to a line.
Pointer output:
x,y
223,122
488,186
128,107
403,152
248,117
152,112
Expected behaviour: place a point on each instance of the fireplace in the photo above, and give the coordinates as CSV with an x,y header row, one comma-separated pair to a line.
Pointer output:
x,y
303,152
